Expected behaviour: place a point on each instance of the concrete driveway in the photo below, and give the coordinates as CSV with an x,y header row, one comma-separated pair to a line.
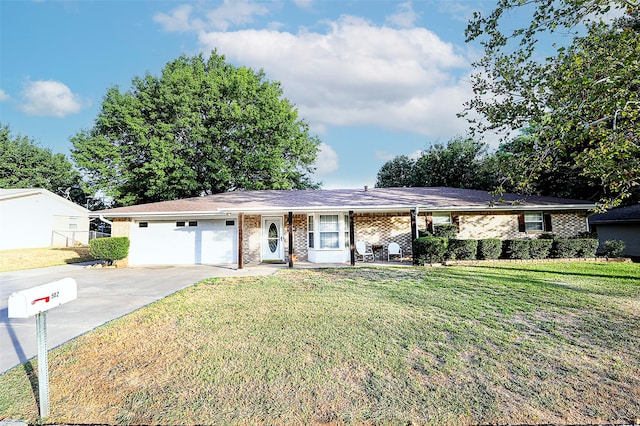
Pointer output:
x,y
103,295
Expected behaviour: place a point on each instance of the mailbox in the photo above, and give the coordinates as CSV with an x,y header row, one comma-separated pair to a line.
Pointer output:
x,y
27,303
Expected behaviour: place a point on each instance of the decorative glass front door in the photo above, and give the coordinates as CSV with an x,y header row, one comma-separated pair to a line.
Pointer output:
x,y
272,239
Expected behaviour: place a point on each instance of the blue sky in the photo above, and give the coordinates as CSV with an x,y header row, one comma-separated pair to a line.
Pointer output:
x,y
374,79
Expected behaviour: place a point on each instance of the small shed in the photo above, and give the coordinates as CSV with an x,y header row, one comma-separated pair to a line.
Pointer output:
x,y
36,217
619,224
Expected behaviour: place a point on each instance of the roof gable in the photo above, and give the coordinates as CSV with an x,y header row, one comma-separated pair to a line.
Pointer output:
x,y
13,193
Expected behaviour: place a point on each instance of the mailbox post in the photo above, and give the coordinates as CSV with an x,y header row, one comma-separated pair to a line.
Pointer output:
x,y
37,301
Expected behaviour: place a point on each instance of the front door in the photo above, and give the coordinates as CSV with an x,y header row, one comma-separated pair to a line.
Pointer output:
x,y
272,239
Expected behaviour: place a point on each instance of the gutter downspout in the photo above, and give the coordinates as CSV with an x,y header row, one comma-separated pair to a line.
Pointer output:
x,y
105,220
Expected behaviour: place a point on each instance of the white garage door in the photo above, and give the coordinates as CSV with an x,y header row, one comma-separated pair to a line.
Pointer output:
x,y
183,242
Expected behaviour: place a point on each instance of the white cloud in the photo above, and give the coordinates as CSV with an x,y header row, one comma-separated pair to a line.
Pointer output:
x,y
405,17
4,96
49,98
326,161
359,74
229,13
178,20
352,73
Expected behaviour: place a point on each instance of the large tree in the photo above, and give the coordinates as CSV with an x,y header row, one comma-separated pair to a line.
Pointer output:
x,y
461,163
203,126
582,100
24,164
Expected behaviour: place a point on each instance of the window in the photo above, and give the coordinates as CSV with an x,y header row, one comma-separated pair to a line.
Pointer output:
x,y
533,221
143,224
346,231
311,234
441,219
329,228
230,223
73,223
180,223
193,223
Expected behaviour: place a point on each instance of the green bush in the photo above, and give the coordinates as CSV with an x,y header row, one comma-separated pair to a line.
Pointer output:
x,y
489,248
445,231
429,250
109,249
565,248
586,247
462,249
424,233
614,248
516,249
541,248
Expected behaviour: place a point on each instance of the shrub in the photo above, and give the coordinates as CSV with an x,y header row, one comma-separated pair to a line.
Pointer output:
x,y
489,248
565,248
429,250
109,249
445,231
516,249
541,248
462,249
614,248
586,247
424,233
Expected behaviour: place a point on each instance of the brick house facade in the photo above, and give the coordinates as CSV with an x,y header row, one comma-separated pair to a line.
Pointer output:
x,y
228,227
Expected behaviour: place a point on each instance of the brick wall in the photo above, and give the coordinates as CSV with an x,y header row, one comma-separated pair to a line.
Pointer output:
x,y
504,225
252,235
121,227
299,237
569,224
385,228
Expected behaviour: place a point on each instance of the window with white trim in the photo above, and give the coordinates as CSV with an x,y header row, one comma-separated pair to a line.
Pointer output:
x,y
329,231
346,231
441,219
311,233
533,221
73,223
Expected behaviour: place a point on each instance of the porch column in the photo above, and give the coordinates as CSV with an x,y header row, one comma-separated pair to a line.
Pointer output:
x,y
414,232
290,239
352,239
240,240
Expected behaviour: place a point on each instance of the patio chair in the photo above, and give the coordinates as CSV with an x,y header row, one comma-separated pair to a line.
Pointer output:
x,y
392,250
363,251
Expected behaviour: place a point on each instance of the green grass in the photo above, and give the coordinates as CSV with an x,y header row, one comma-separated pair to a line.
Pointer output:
x,y
522,343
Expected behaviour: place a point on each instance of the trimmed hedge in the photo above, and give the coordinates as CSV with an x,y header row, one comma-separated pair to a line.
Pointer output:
x,y
614,248
541,248
429,250
437,249
516,249
574,247
445,231
109,249
462,249
489,248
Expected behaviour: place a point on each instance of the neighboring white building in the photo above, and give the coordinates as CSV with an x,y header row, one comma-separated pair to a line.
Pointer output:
x,y
36,217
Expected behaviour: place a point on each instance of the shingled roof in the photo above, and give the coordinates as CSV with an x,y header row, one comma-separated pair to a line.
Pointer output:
x,y
372,199
629,214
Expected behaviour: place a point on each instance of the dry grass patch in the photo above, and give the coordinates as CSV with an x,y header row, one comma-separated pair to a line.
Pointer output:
x,y
548,343
13,260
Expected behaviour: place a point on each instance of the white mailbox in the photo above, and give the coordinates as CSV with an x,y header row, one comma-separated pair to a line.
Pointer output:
x,y
27,303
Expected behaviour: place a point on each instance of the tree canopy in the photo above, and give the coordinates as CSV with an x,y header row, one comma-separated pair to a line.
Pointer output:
x,y
582,102
461,163
23,164
203,126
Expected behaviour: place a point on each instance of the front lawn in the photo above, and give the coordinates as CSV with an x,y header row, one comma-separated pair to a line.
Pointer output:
x,y
513,344
13,260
